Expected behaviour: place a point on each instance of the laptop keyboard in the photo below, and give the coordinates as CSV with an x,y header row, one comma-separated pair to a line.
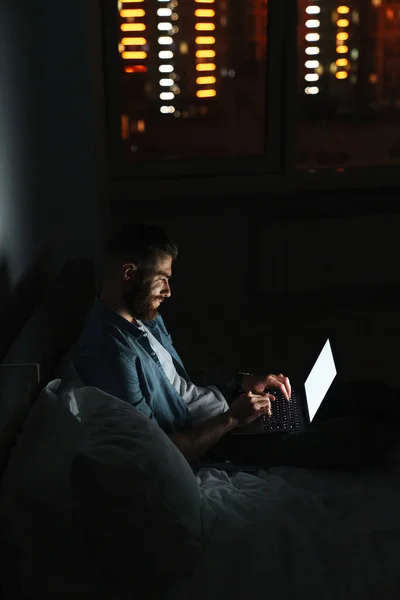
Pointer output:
x,y
285,415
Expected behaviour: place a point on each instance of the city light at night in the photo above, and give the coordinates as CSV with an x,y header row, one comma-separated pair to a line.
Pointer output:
x,y
126,43
193,77
341,36
200,55
314,36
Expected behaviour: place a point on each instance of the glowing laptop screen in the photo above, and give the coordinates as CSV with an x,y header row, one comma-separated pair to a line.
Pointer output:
x,y
320,379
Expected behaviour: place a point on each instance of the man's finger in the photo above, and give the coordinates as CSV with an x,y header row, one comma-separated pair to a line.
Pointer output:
x,y
265,408
284,386
282,389
287,385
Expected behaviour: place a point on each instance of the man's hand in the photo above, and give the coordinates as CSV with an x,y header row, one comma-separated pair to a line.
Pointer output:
x,y
248,407
257,384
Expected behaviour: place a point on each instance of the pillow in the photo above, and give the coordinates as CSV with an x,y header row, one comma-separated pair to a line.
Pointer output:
x,y
36,514
138,500
69,381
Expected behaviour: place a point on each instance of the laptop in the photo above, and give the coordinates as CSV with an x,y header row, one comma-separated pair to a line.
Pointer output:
x,y
300,411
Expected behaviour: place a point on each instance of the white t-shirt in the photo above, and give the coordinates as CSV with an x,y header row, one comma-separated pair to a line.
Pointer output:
x,y
203,402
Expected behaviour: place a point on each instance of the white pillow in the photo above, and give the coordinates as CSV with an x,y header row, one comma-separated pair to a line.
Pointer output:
x,y
36,514
69,382
137,497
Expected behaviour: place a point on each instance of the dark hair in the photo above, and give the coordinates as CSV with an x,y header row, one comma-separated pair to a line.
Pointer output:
x,y
137,243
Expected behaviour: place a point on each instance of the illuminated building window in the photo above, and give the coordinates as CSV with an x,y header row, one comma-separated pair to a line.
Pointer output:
x,y
207,13
133,41
312,37
343,10
313,10
206,80
343,23
312,50
141,126
205,53
135,69
312,90
311,77
204,26
205,40
206,67
167,95
312,64
133,27
341,75
206,93
135,12
312,23
164,26
373,78
166,54
342,49
342,36
342,62
165,110
166,68
134,55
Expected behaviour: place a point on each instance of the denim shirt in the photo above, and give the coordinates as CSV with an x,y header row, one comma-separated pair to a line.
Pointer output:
x,y
116,357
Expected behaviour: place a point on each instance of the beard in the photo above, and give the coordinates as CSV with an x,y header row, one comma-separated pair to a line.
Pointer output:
x,y
139,300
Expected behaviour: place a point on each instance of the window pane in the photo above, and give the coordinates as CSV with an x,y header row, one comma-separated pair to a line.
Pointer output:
x,y
193,76
348,83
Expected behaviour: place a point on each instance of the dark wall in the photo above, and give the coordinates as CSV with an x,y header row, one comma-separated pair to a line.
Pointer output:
x,y
259,284
51,149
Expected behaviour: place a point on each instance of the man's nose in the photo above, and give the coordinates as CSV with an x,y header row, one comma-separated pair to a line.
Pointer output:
x,y
167,290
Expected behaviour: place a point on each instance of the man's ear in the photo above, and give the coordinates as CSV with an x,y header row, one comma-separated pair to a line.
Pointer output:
x,y
128,271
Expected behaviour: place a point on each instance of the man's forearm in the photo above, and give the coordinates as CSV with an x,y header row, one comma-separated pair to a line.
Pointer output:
x,y
196,442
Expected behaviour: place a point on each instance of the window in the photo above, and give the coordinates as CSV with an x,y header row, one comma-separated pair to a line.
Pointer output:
x,y
294,87
348,84
192,78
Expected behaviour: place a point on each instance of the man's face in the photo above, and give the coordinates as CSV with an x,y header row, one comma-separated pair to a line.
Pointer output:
x,y
147,287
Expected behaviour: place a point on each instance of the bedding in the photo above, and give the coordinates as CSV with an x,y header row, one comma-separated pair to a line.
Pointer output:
x,y
296,533
285,533
36,509
137,499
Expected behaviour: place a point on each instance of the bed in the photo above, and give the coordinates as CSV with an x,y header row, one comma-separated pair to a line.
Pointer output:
x,y
97,503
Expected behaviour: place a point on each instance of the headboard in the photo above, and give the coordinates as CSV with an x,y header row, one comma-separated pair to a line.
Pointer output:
x,y
36,353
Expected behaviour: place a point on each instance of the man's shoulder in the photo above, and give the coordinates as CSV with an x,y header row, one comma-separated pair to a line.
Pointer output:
x,y
105,329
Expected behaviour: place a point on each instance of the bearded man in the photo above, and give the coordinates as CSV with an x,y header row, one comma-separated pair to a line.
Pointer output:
x,y
126,351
